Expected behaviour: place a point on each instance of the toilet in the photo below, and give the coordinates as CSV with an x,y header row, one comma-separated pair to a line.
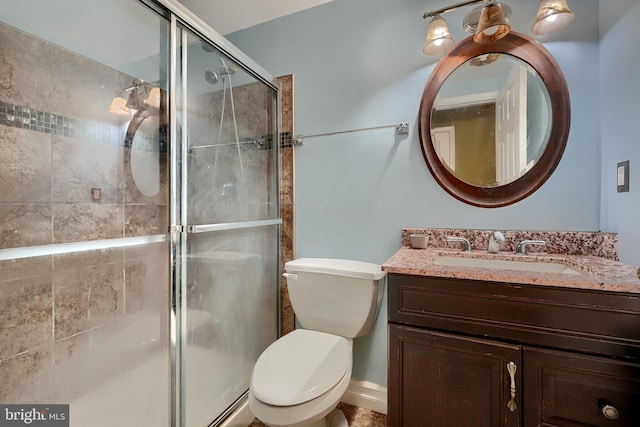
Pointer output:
x,y
299,379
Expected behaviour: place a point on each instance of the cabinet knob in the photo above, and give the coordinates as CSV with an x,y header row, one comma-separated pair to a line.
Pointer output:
x,y
609,411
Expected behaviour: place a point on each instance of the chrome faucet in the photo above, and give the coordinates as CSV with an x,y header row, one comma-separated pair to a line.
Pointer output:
x,y
522,246
466,246
495,240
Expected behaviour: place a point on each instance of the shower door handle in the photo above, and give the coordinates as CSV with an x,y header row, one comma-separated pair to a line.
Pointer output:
x,y
206,228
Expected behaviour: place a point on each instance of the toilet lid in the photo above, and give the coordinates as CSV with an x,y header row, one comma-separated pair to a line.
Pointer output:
x,y
299,367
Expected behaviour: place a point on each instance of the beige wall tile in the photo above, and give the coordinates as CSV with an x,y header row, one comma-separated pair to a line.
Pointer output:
x,y
25,267
80,165
147,280
142,220
25,166
25,69
86,221
86,297
25,224
28,377
26,315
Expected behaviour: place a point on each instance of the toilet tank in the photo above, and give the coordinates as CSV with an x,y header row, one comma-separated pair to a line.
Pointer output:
x,y
336,296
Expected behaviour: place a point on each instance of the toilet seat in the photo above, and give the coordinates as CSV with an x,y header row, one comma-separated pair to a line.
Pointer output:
x,y
299,367
308,413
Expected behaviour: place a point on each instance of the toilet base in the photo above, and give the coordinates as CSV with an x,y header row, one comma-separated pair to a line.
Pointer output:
x,y
336,418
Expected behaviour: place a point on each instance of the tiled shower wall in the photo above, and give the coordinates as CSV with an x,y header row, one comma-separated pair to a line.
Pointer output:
x,y
287,195
65,317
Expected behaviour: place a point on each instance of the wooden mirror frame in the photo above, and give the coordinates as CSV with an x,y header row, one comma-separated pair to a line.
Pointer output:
x,y
540,59
136,121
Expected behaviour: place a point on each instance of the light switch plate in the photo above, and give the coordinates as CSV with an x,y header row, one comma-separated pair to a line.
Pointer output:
x,y
623,176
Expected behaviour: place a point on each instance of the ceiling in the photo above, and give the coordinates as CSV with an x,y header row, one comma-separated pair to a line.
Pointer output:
x,y
227,16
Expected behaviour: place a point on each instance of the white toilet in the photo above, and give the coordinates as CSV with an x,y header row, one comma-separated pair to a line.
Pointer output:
x,y
299,379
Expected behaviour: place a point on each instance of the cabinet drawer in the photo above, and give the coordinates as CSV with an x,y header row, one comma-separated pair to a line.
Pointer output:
x,y
563,389
602,323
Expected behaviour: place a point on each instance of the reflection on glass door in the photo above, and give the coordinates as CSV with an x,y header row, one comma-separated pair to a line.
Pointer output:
x,y
84,271
231,210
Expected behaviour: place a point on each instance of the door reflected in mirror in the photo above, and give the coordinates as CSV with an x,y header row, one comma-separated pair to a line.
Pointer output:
x,y
491,120
145,156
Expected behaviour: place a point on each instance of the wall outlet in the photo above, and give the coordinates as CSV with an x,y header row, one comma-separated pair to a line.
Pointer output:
x,y
623,177
96,195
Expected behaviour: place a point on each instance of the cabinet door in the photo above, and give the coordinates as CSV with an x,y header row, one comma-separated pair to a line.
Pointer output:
x,y
568,390
442,380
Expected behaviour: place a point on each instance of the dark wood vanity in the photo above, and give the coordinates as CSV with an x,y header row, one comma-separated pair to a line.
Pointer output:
x,y
576,353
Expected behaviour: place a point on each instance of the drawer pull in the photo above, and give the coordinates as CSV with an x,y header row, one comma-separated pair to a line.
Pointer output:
x,y
511,368
608,410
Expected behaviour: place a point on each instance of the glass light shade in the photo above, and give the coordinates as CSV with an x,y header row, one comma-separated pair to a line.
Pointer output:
x,y
471,19
136,99
492,25
119,106
153,99
553,15
438,39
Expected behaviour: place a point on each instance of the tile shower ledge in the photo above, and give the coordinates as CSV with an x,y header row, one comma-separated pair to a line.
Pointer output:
x,y
595,273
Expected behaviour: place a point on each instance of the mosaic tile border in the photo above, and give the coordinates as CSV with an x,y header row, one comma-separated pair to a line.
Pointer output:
x,y
265,142
17,116
40,121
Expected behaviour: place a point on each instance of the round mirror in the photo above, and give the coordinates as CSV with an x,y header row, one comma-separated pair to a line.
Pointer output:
x,y
146,144
494,120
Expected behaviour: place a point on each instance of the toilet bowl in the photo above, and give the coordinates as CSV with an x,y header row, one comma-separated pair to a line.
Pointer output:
x,y
300,378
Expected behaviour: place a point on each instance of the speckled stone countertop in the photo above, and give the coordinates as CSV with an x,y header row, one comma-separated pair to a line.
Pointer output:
x,y
596,273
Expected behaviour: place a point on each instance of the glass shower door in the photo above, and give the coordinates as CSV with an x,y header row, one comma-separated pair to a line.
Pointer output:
x,y
230,208
84,264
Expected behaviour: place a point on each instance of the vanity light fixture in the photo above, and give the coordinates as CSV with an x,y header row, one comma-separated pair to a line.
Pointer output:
x,y
135,97
154,99
490,22
439,39
492,25
119,106
553,15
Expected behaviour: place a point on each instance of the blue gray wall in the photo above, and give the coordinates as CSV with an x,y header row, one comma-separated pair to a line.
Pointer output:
x,y
358,63
619,122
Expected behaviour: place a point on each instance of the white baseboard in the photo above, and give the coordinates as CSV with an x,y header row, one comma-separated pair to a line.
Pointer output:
x,y
367,395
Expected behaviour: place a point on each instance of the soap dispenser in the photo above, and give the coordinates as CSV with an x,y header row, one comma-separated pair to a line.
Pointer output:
x,y
495,240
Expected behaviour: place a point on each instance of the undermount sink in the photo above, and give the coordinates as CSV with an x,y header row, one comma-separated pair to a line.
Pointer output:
x,y
503,264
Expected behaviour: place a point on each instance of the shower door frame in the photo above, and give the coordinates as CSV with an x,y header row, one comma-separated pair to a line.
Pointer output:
x,y
178,230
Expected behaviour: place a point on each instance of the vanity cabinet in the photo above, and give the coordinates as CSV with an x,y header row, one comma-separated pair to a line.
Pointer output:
x,y
577,354
440,379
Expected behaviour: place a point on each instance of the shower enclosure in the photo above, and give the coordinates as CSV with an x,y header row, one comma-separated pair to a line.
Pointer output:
x,y
139,213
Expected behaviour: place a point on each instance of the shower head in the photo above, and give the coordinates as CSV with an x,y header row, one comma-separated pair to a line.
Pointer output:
x,y
207,47
211,77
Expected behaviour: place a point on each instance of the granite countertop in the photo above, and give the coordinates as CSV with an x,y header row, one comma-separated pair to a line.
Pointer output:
x,y
594,272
